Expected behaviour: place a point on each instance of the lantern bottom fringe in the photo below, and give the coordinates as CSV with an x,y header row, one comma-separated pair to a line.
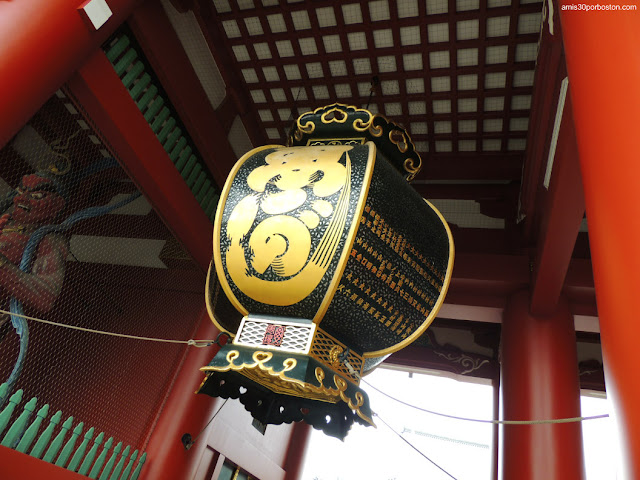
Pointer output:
x,y
279,387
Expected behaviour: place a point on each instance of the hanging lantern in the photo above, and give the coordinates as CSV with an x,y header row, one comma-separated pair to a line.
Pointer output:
x,y
334,261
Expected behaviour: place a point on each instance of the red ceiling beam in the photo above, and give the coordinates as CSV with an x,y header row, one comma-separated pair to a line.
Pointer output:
x,y
463,191
164,51
579,288
207,18
546,88
487,280
472,167
108,104
443,359
41,43
489,274
562,214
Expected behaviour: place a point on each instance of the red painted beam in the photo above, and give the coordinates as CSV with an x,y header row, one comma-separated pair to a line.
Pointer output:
x,y
207,18
548,76
110,107
561,218
604,68
164,51
227,112
490,274
432,359
18,466
490,191
41,43
486,282
472,167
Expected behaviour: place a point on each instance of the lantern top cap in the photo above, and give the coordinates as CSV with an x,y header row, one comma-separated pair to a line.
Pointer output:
x,y
340,124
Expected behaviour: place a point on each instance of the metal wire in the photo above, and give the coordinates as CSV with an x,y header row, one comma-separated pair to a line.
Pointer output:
x,y
495,422
191,342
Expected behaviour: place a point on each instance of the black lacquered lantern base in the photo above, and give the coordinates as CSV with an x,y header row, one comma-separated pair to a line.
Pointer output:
x,y
333,419
277,387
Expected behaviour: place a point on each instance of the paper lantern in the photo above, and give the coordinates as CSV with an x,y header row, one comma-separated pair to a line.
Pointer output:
x,y
334,261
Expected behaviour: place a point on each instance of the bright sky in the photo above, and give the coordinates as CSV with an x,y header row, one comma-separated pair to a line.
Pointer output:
x,y
461,448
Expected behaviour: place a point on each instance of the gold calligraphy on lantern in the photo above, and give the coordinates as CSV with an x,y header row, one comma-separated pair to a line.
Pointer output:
x,y
295,188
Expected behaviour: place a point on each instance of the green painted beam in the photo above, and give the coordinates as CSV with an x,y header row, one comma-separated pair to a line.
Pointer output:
x,y
88,460
160,119
166,130
57,442
5,416
179,147
67,450
149,95
152,111
101,459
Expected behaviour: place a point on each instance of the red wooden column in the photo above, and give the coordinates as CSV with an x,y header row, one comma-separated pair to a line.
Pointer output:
x,y
540,382
297,450
183,412
603,60
41,43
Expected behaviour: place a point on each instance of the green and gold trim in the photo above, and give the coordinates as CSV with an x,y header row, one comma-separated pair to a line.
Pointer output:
x,y
339,122
291,375
336,355
314,142
337,113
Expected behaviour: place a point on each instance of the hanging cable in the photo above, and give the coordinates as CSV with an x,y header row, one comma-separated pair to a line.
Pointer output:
x,y
191,342
414,447
375,81
207,343
498,422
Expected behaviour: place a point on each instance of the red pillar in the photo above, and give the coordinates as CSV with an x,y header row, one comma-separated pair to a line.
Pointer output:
x,y
297,450
539,382
183,412
41,43
602,50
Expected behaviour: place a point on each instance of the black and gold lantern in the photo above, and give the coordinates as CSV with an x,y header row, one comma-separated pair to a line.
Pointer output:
x,y
334,261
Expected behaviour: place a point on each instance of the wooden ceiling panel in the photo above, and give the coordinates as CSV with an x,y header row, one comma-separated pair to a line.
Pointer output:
x,y
460,69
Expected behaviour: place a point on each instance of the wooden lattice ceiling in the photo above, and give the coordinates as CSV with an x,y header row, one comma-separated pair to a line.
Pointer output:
x,y
458,74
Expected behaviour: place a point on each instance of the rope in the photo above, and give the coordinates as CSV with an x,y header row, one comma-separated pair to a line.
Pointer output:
x,y
495,422
191,342
207,343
